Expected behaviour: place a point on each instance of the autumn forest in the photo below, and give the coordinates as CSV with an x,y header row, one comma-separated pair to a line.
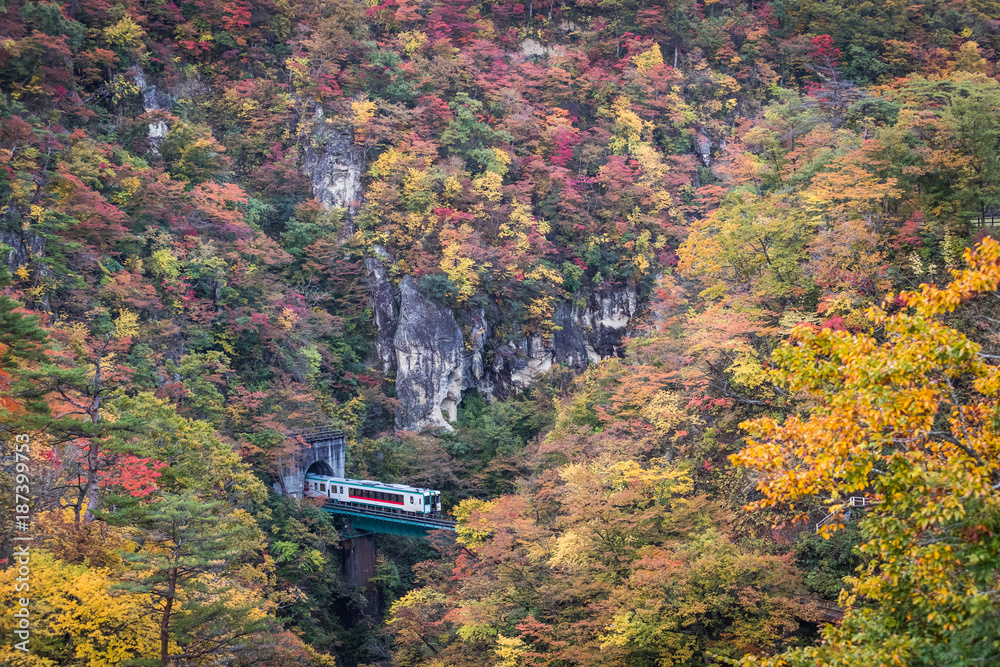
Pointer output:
x,y
690,311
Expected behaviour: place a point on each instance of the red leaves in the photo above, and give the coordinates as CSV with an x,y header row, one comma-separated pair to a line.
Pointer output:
x,y
100,224
135,475
907,236
236,18
834,324
824,53
218,203
564,139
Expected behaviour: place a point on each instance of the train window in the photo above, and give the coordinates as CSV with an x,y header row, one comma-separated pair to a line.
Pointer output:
x,y
411,500
341,489
322,487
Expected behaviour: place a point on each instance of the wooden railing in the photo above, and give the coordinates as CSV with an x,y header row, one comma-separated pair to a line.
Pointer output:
x,y
853,501
988,218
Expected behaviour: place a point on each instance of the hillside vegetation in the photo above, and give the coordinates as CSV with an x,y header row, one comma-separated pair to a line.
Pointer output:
x,y
800,193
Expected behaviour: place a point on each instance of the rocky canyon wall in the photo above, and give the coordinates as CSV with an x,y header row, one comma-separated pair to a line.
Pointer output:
x,y
438,354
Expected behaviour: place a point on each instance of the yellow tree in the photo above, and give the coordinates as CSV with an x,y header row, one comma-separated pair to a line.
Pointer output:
x,y
76,617
749,249
908,416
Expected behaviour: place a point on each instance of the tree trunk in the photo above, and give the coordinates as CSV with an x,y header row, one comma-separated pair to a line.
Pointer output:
x,y
93,452
165,619
281,482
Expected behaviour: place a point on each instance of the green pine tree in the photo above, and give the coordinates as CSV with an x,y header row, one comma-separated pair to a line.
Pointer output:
x,y
190,548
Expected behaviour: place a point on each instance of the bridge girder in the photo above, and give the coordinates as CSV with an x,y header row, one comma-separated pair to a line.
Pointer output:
x,y
389,524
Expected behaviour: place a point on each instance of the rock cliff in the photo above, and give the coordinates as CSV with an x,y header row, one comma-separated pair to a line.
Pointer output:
x,y
437,353
590,329
384,311
440,355
154,99
429,363
334,164
25,248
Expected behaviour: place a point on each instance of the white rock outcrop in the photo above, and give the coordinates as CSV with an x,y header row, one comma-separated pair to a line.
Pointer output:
x,y
334,164
429,361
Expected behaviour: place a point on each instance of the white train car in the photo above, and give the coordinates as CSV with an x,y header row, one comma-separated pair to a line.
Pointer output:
x,y
393,498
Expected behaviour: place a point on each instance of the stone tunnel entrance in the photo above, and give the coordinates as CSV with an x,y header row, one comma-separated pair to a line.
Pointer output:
x,y
318,450
320,468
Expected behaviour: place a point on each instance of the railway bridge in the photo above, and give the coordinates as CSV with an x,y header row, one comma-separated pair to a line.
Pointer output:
x,y
360,524
322,451
370,520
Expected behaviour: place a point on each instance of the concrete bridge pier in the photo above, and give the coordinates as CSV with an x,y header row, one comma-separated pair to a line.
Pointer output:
x,y
359,567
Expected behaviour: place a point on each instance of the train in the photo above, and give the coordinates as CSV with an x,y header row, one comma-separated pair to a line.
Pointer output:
x,y
392,498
